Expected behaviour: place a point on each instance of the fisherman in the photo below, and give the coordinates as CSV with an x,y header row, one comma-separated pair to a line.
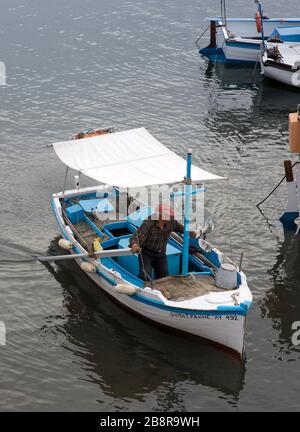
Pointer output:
x,y
150,242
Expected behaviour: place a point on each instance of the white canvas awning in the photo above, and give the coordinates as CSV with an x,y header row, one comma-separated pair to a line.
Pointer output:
x,y
132,158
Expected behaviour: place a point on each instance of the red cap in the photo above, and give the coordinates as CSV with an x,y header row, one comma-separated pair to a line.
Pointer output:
x,y
165,211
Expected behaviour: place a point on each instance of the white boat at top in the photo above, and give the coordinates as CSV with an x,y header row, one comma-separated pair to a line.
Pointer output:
x,y
281,62
238,40
209,295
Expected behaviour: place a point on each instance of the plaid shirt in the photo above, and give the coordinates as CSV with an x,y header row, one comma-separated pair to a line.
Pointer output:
x,y
151,237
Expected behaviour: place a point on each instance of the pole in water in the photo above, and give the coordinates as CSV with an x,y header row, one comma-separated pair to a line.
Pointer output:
x,y
292,210
241,262
288,171
187,211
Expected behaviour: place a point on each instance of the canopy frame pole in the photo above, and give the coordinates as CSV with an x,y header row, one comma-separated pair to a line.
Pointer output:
x,y
187,211
66,177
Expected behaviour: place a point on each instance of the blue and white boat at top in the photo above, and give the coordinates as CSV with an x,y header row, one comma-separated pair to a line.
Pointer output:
x,y
209,295
238,40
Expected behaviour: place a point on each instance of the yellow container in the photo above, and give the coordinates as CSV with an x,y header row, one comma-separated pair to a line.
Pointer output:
x,y
97,245
294,126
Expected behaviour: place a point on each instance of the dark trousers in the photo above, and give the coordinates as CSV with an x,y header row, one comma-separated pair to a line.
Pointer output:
x,y
152,261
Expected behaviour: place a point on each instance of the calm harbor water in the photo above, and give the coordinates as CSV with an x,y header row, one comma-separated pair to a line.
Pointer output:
x,y
74,64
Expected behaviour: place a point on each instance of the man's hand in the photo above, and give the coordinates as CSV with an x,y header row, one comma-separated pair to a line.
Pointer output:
x,y
135,248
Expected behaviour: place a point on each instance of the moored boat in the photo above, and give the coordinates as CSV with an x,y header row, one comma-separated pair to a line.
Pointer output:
x,y
281,62
238,40
209,295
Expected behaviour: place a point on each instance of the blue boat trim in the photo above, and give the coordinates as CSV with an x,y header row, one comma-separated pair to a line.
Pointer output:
x,y
240,310
245,45
289,217
218,56
243,307
107,278
288,220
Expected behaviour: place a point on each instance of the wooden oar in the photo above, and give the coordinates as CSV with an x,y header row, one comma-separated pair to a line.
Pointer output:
x,y
101,254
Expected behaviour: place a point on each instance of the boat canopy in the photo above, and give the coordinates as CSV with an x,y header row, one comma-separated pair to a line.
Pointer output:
x,y
286,34
127,159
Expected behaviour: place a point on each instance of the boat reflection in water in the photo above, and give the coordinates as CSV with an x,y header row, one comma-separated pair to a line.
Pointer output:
x,y
241,105
233,76
279,97
129,358
282,302
257,94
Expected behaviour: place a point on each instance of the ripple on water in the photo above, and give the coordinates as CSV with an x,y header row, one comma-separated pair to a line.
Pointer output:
x,y
126,64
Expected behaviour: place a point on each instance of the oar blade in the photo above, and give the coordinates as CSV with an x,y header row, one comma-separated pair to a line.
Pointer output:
x,y
54,258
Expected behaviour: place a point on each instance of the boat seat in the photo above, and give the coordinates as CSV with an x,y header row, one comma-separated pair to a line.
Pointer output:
x,y
137,218
99,205
131,263
75,213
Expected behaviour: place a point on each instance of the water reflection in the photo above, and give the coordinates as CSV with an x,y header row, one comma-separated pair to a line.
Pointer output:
x,y
233,76
282,301
279,98
234,95
261,94
129,358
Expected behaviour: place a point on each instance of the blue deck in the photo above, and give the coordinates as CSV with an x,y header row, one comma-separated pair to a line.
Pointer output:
x,y
127,266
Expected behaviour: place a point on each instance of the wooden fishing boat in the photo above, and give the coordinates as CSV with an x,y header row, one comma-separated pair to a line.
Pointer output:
x,y
209,295
238,40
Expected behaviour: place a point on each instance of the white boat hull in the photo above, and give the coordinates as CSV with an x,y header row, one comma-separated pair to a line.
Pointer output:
x,y
226,330
283,76
241,52
285,71
221,322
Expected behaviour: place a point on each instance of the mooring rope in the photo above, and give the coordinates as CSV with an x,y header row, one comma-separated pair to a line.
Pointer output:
x,y
275,189
201,36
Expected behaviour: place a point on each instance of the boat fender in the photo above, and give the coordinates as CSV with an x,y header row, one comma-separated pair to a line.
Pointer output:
x,y
88,267
258,22
77,181
226,276
65,244
125,289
